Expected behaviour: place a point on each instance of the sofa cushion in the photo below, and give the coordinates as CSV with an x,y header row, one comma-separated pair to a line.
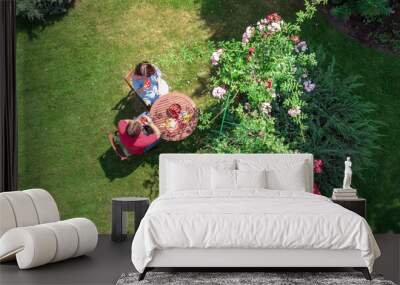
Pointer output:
x,y
7,220
23,208
46,207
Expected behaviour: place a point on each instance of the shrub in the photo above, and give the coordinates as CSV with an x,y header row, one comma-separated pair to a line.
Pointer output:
x,y
338,125
271,96
40,10
369,9
258,83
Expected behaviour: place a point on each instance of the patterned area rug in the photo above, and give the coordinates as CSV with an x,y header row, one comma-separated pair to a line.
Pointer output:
x,y
236,278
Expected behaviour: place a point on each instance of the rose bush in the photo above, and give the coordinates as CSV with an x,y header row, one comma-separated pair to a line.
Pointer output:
x,y
267,88
262,79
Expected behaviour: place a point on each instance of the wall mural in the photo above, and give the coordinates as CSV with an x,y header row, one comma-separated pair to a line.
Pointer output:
x,y
104,87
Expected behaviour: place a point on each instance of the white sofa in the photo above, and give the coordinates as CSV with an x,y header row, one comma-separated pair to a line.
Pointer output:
x,y
31,231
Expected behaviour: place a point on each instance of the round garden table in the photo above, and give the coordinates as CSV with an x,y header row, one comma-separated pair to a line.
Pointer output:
x,y
175,114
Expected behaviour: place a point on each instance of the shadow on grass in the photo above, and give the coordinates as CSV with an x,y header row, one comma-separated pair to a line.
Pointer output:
x,y
114,167
229,18
202,88
128,107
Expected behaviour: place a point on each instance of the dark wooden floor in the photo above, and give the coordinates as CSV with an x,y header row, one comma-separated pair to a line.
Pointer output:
x,y
389,262
110,260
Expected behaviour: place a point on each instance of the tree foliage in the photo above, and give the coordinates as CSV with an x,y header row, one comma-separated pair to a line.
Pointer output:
x,y
339,124
40,10
369,9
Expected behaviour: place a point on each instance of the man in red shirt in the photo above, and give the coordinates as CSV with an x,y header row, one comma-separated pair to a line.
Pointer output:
x,y
133,136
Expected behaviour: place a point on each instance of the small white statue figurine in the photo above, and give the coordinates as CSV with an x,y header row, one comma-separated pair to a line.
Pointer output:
x,y
347,174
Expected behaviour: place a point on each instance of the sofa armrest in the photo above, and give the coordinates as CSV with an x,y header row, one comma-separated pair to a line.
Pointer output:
x,y
41,244
32,246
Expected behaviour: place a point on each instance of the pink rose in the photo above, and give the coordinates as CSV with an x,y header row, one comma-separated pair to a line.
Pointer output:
x,y
309,86
295,39
216,56
301,47
219,92
318,164
294,112
245,38
266,108
250,31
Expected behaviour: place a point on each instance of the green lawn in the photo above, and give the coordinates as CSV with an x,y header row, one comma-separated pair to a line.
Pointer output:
x,y
71,93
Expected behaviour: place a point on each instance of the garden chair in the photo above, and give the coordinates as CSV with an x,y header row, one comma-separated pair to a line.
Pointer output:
x,y
127,78
116,147
163,88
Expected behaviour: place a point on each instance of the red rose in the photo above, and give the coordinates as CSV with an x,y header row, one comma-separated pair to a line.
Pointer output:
x,y
268,84
318,164
250,54
274,17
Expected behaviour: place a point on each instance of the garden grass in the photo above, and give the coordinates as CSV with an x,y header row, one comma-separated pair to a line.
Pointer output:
x,y
69,80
